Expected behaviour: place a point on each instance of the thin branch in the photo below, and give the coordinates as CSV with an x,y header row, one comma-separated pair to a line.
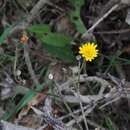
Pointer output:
x,y
35,10
112,31
100,20
29,65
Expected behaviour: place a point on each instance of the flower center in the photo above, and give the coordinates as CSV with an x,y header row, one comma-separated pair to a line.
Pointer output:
x,y
89,53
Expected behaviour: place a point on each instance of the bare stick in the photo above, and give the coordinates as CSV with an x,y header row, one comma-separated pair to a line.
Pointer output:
x,y
100,20
28,63
35,10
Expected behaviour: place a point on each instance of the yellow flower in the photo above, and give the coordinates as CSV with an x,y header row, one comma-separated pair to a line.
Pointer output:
x,y
88,51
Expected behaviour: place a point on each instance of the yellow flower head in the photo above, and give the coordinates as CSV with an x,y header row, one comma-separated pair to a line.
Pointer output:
x,y
88,51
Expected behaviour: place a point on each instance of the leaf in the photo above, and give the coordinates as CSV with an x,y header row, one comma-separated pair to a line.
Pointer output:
x,y
55,43
63,53
56,39
5,34
110,124
77,3
23,102
43,32
75,15
37,99
39,29
20,105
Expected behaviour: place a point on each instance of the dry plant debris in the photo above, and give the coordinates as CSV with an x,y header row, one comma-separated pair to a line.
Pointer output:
x,y
64,65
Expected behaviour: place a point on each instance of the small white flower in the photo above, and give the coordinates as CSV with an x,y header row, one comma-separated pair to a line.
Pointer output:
x,y
18,72
50,76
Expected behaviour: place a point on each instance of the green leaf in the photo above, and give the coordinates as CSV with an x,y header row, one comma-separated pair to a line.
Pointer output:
x,y
63,53
110,124
5,34
56,39
55,43
76,3
23,102
43,32
28,97
75,15
39,29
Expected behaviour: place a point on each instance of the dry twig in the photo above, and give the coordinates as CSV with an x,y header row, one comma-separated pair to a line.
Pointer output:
x,y
100,20
28,62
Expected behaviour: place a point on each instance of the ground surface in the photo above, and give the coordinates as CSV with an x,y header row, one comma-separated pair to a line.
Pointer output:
x,y
41,70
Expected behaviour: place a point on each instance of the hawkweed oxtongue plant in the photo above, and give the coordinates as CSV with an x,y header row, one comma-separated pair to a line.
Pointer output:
x,y
89,52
